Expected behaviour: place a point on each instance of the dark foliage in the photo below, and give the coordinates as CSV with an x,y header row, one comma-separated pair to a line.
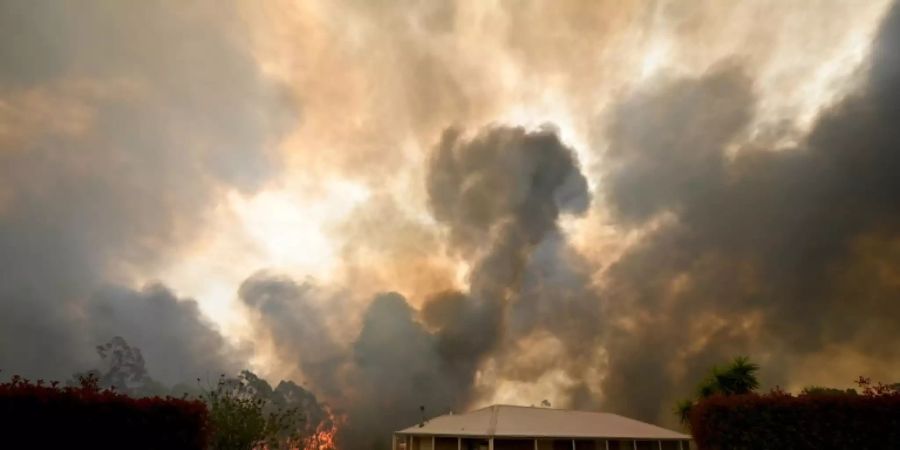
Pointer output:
x,y
777,420
41,415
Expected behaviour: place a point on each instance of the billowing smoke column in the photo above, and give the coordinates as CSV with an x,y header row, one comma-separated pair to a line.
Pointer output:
x,y
500,195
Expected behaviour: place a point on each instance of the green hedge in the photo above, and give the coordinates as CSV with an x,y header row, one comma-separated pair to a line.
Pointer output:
x,y
37,415
782,421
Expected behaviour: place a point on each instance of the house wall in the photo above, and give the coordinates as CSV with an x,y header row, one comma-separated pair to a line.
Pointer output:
x,y
421,443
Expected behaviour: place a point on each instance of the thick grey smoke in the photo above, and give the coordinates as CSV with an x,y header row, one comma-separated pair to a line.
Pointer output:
x,y
297,327
500,195
189,347
121,120
772,252
503,181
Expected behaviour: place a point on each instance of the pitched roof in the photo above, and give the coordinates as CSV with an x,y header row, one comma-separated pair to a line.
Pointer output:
x,y
529,421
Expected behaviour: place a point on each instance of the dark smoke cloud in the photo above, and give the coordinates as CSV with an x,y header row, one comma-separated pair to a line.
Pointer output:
x,y
293,321
503,178
398,367
502,193
166,109
771,252
668,142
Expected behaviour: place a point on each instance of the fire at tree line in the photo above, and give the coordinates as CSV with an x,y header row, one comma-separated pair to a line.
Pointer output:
x,y
121,406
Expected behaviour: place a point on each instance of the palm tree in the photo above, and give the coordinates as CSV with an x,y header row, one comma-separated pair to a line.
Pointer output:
x,y
737,378
683,411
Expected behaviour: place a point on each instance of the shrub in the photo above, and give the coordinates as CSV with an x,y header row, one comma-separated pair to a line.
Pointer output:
x,y
41,415
778,420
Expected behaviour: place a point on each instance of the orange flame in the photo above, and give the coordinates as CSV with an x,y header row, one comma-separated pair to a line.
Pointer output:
x,y
323,438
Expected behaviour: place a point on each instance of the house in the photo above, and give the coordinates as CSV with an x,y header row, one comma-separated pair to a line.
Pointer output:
x,y
504,427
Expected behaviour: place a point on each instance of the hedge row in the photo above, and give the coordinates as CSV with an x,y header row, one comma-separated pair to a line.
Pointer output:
x,y
36,415
782,421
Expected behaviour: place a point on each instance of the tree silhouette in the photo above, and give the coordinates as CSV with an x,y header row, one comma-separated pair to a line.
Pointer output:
x,y
737,378
683,410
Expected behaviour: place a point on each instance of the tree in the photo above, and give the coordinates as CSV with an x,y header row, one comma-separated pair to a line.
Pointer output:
x,y
683,410
123,369
244,416
125,365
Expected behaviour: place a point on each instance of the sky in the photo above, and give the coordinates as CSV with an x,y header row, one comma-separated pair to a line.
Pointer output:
x,y
453,204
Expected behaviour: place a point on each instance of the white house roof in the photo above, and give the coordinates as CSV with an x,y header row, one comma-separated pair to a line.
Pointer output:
x,y
532,422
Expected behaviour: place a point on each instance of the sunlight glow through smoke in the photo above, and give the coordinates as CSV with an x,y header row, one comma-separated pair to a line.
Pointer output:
x,y
279,230
353,103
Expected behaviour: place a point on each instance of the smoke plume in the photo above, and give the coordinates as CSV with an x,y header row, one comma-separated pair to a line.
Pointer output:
x,y
120,123
583,202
